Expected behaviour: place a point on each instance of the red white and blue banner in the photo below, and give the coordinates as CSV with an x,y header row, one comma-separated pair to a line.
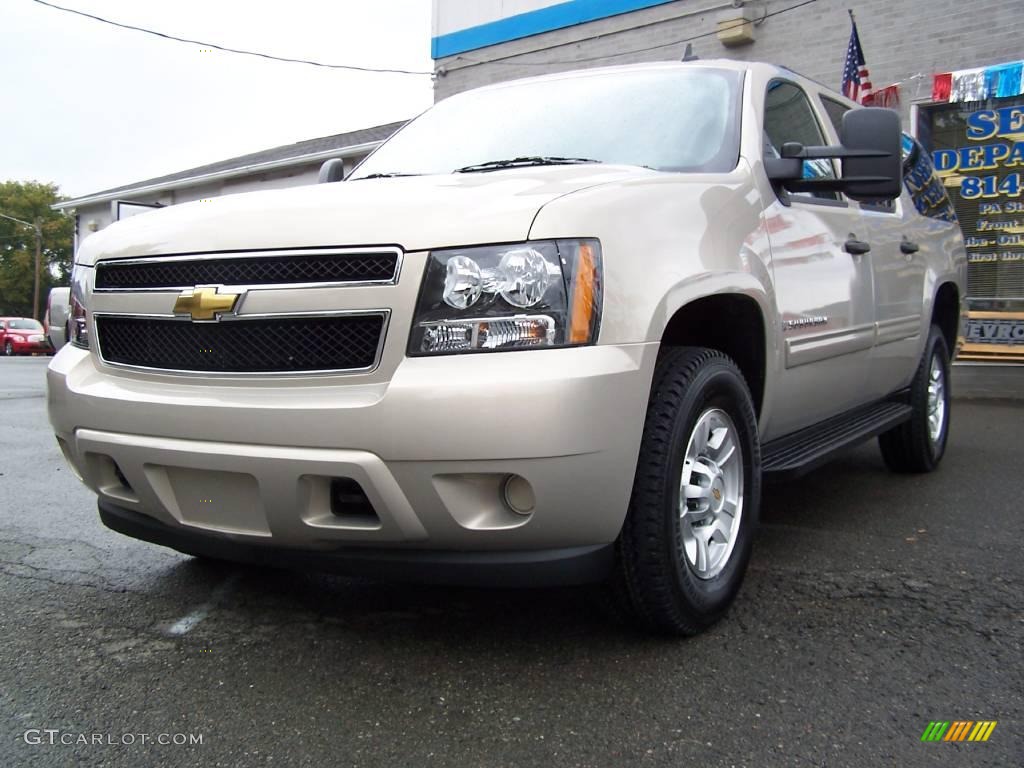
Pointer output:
x,y
996,82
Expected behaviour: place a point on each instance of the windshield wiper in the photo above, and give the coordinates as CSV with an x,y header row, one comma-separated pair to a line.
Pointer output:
x,y
524,162
391,175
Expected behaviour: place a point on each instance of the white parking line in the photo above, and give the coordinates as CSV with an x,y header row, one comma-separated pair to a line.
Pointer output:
x,y
191,620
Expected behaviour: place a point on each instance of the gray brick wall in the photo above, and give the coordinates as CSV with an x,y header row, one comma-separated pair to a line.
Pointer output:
x,y
904,40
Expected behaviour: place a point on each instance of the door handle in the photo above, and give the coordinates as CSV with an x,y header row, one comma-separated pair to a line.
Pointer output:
x,y
856,247
909,248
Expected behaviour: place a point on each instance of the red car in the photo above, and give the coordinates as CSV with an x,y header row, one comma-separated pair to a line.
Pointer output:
x,y
23,336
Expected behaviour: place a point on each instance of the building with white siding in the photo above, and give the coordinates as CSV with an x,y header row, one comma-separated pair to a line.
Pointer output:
x,y
290,165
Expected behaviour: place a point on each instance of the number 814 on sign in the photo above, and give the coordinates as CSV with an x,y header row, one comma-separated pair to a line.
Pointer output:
x,y
974,187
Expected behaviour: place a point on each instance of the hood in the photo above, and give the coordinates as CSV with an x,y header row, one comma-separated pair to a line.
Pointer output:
x,y
415,213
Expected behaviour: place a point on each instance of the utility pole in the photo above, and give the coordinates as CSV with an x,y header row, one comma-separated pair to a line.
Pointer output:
x,y
38,230
38,265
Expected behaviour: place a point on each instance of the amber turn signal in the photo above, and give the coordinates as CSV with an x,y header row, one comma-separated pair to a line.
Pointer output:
x,y
584,296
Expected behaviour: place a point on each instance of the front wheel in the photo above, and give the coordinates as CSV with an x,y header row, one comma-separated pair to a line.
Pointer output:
x,y
687,537
917,445
8,349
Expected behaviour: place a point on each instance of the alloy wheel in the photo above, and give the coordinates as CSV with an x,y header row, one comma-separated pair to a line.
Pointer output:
x,y
711,494
936,399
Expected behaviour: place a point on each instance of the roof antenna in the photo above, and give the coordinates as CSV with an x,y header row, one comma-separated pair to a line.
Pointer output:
x,y
688,54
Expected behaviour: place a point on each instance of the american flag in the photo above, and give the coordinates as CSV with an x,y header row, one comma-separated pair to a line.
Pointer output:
x,y
856,80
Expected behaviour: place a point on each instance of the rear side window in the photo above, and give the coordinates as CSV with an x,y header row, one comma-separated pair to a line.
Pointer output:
x,y
925,187
788,116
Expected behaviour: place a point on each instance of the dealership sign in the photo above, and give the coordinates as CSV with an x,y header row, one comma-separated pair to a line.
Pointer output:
x,y
992,331
989,172
1002,130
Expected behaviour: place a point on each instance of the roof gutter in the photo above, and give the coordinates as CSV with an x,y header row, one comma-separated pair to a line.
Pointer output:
x,y
192,181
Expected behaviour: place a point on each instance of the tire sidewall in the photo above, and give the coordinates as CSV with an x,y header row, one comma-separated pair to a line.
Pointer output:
x,y
936,347
716,386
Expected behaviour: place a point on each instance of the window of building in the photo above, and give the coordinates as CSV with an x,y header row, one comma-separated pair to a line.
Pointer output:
x,y
979,157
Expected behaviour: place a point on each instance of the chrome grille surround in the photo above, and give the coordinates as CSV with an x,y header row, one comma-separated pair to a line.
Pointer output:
x,y
154,341
284,268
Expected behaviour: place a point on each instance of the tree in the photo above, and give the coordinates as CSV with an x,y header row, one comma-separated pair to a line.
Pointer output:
x,y
30,201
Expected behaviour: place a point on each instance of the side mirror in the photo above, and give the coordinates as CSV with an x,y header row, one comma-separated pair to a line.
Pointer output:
x,y
871,155
880,174
332,170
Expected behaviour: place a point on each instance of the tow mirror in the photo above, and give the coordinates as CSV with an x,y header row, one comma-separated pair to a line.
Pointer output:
x,y
870,152
878,175
331,171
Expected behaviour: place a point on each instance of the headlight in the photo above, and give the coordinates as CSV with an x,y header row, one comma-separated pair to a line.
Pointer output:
x,y
36,338
527,295
78,323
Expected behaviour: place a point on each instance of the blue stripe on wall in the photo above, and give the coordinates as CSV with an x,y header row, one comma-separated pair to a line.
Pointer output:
x,y
565,14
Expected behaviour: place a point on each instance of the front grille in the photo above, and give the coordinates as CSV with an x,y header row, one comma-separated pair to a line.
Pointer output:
x,y
259,345
370,266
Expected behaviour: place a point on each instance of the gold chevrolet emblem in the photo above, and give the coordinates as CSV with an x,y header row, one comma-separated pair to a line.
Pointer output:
x,y
205,303
717,494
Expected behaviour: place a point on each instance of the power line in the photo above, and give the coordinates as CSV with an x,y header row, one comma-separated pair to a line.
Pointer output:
x,y
227,49
635,50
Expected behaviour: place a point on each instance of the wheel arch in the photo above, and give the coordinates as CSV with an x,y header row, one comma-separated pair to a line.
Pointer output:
x,y
946,313
732,323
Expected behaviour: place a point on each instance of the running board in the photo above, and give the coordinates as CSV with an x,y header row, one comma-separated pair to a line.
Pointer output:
x,y
800,452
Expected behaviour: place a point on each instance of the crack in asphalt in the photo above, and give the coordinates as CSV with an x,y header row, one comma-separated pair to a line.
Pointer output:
x,y
57,582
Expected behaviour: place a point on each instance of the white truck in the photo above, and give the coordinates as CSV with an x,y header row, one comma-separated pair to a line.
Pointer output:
x,y
554,331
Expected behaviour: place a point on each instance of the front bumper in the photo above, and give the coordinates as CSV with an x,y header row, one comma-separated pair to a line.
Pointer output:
x,y
550,567
247,466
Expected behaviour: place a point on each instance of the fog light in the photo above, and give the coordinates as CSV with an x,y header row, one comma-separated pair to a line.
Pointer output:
x,y
348,500
519,495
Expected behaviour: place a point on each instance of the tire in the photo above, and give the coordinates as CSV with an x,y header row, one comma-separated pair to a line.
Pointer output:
x,y
660,579
8,349
914,446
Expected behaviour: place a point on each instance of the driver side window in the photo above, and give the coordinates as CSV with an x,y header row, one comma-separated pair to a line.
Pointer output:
x,y
788,116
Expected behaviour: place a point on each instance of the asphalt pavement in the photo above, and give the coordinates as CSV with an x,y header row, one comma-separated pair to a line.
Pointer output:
x,y
875,603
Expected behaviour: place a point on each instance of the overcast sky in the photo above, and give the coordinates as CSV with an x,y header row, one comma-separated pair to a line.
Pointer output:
x,y
90,106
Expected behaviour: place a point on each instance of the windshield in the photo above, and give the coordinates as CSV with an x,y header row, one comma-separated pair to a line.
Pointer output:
x,y
25,325
666,119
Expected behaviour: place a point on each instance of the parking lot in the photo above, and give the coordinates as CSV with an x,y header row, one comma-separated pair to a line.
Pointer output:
x,y
875,603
